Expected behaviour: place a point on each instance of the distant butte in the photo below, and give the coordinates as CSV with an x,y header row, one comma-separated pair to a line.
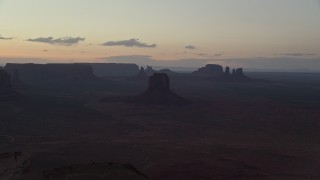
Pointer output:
x,y
210,69
216,71
159,92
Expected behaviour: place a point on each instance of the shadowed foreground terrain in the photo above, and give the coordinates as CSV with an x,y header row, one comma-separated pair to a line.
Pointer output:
x,y
232,130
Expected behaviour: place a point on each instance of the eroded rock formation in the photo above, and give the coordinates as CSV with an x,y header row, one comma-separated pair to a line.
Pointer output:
x,y
227,71
150,71
142,75
216,72
239,72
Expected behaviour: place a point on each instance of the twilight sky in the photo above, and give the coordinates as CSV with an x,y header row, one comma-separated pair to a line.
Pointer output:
x,y
89,30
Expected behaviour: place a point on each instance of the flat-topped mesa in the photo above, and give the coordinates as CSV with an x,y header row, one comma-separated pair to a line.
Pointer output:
x,y
211,70
159,92
5,80
114,69
50,72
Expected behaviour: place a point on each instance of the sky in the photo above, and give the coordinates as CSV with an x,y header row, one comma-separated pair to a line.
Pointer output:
x,y
94,30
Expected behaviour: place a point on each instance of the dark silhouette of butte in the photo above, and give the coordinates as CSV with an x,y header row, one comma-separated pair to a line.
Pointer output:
x,y
159,92
210,69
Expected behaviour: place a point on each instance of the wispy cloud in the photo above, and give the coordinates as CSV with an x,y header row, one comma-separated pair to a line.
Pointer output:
x,y
130,43
5,38
190,47
201,54
65,41
295,54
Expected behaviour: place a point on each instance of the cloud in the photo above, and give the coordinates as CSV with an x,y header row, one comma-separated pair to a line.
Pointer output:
x,y
192,53
295,54
65,41
130,43
5,38
190,47
201,54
